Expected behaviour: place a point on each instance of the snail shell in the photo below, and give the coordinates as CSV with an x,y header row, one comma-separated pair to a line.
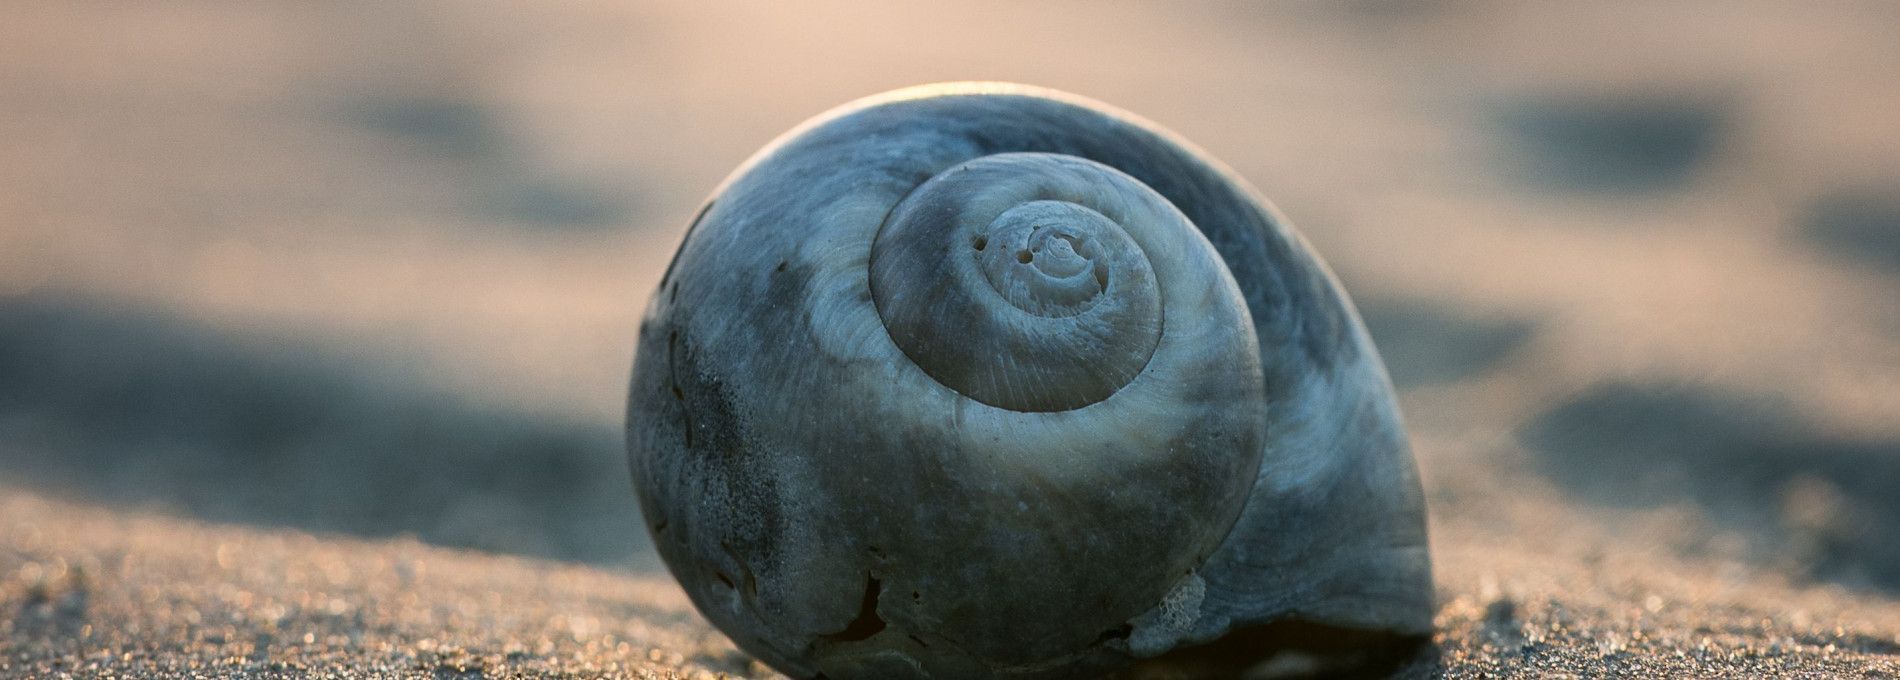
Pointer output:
x,y
982,380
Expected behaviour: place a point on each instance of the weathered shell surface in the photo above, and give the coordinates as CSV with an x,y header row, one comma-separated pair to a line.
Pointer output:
x,y
984,380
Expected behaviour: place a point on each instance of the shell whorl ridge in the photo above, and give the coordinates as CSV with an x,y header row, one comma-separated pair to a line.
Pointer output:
x,y
982,380
1020,279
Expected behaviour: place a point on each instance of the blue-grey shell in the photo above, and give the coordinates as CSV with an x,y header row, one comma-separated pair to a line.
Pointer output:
x,y
837,512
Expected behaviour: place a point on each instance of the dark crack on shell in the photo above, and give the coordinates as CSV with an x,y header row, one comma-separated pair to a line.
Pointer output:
x,y
867,623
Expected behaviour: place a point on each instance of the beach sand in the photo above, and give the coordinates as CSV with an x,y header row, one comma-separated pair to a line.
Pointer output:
x,y
98,593
315,320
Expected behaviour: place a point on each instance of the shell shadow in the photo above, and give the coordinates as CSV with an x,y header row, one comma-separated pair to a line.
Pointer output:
x,y
1295,649
1821,505
131,408
1630,143
1426,343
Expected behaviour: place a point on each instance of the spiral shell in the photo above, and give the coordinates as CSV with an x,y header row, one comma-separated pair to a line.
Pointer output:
x,y
988,381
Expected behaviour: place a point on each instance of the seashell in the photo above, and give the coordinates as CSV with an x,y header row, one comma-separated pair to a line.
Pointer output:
x,y
984,380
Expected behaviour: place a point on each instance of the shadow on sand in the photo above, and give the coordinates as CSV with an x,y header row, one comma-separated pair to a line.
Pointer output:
x,y
1862,225
1595,143
131,408
1822,505
1427,343
505,185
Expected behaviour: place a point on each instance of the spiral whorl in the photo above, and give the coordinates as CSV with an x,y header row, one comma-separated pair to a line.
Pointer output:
x,y
1019,280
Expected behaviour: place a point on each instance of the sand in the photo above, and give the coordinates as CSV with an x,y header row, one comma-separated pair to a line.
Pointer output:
x,y
95,593
315,320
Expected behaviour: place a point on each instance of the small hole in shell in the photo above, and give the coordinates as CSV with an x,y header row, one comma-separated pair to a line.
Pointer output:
x,y
1025,256
980,243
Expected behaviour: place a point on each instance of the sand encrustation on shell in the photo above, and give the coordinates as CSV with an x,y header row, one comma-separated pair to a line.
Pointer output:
x,y
984,380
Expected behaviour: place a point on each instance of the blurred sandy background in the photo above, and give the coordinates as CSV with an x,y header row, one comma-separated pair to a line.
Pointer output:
x,y
375,269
